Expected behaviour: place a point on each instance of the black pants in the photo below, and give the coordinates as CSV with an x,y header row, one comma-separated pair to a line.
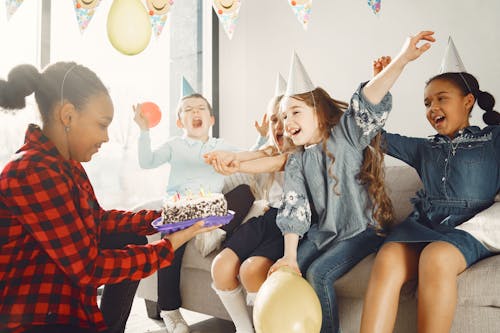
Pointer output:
x,y
239,200
117,299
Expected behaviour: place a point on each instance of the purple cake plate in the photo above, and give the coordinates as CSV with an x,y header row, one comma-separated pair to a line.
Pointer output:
x,y
209,221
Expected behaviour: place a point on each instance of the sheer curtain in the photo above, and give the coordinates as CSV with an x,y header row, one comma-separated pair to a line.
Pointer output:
x,y
20,40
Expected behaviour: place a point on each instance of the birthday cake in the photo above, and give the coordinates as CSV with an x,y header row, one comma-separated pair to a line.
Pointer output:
x,y
181,208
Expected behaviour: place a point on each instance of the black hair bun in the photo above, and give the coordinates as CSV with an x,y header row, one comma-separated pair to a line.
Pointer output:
x,y
491,118
22,81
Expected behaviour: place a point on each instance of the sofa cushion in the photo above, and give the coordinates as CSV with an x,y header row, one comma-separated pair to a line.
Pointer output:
x,y
479,284
402,182
193,258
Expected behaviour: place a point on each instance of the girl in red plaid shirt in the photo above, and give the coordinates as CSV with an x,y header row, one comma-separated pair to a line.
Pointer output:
x,y
51,225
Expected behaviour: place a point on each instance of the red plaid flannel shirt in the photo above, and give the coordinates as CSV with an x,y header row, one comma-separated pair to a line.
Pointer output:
x,y
50,224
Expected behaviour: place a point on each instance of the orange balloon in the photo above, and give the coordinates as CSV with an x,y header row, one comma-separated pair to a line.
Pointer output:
x,y
151,112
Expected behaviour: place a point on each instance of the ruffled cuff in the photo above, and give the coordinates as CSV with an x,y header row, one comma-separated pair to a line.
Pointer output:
x,y
369,117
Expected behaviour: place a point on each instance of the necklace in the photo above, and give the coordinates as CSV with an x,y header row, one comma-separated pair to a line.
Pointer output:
x,y
454,146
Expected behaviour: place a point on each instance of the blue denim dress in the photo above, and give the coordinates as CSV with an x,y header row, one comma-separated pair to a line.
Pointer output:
x,y
460,177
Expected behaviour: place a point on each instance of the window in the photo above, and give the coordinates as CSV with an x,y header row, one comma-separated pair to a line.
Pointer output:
x,y
153,75
20,37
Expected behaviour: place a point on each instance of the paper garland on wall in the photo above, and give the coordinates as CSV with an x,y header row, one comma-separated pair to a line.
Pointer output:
x,y
12,6
302,9
158,12
227,11
375,6
84,12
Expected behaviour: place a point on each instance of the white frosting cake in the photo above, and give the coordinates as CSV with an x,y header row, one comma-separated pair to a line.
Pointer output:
x,y
181,208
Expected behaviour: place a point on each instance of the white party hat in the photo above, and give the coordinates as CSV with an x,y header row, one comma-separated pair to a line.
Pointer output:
x,y
280,88
298,79
451,61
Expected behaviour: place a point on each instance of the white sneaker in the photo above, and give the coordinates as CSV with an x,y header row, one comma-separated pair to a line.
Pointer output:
x,y
174,322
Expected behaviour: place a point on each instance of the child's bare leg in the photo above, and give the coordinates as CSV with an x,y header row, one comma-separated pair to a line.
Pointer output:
x,y
439,265
225,268
395,264
253,272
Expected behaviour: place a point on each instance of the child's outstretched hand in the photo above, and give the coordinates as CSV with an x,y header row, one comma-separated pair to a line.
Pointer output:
x,y
224,162
225,157
411,51
263,127
139,117
380,64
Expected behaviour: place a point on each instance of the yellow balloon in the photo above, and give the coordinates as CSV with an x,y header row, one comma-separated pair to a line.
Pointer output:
x,y
129,27
286,302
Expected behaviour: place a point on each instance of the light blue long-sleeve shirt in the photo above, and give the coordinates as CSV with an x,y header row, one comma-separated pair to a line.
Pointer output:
x,y
188,171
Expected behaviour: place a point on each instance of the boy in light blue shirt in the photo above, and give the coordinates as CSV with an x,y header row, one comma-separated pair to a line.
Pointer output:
x,y
188,173
185,154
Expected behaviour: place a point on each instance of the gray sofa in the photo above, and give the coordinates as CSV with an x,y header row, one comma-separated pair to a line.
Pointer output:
x,y
478,307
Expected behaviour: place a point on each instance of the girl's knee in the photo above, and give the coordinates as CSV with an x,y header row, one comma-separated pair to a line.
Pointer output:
x,y
255,268
225,268
393,262
440,259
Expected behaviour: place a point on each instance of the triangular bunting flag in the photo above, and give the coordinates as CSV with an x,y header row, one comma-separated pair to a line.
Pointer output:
x,y
158,15
302,9
85,10
375,6
227,11
451,61
12,6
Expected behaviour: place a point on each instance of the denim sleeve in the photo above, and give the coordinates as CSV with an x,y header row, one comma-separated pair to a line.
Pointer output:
x,y
362,119
294,212
149,159
403,148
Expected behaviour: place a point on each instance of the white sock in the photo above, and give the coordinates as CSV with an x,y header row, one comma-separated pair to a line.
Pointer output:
x,y
235,305
251,298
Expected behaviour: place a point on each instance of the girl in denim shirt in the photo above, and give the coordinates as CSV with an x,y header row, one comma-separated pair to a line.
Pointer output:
x,y
460,171
340,172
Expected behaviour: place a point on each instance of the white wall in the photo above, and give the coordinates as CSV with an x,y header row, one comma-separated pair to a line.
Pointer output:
x,y
342,39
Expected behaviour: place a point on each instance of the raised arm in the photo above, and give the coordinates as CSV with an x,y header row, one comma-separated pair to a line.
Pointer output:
x,y
378,86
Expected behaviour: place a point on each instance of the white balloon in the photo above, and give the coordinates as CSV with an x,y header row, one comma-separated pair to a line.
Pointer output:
x,y
129,27
286,302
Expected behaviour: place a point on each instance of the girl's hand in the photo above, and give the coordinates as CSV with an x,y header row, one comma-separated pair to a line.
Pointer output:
x,y
139,118
285,261
177,239
225,157
411,51
226,169
380,64
263,127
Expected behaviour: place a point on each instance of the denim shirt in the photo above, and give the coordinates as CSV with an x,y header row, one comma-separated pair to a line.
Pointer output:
x,y
343,208
462,172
